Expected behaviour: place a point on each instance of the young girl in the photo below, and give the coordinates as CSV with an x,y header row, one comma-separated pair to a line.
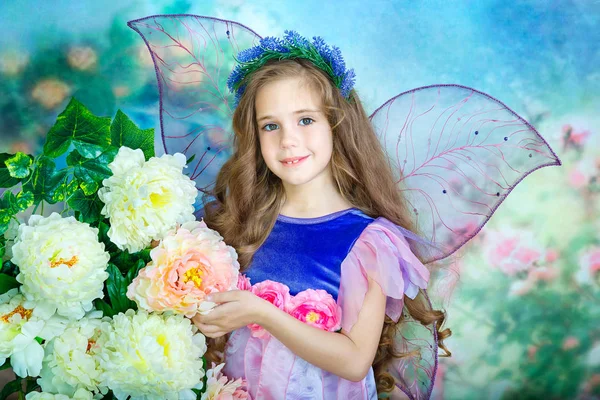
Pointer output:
x,y
308,199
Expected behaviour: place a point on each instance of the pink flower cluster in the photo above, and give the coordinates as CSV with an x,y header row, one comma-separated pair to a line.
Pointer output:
x,y
314,307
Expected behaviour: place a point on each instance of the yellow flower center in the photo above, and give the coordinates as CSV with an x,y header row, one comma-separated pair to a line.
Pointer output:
x,y
312,317
160,199
68,263
25,313
194,275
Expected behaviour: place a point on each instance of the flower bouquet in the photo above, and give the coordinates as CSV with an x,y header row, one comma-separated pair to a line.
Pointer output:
x,y
89,307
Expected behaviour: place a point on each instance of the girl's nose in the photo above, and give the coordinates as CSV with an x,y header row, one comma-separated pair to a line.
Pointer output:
x,y
289,136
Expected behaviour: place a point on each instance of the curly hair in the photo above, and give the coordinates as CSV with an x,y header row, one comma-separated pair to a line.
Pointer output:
x,y
247,196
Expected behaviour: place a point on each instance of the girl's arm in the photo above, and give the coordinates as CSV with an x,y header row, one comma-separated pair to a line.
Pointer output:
x,y
346,354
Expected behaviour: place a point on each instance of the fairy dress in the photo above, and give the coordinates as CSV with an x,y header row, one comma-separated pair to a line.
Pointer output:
x,y
456,154
334,253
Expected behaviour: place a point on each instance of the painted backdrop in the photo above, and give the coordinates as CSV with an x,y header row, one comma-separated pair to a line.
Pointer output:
x,y
523,299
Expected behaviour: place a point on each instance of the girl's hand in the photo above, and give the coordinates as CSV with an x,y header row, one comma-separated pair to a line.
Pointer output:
x,y
236,309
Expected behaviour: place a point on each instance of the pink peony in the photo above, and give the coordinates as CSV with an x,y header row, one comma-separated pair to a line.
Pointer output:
x,y
275,293
317,308
190,263
219,387
244,283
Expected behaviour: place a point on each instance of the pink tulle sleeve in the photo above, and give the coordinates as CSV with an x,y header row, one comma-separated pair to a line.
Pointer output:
x,y
383,254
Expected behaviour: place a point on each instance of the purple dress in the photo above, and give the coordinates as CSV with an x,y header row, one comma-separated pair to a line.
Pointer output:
x,y
335,253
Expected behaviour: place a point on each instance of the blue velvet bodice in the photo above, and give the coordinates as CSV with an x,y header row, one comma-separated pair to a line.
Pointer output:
x,y
307,253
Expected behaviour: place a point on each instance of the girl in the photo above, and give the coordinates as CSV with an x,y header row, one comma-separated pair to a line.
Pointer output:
x,y
308,199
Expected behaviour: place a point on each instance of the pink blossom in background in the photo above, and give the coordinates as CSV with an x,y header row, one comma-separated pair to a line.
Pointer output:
x,y
570,343
552,255
531,351
574,137
512,251
546,274
582,172
275,293
589,266
317,308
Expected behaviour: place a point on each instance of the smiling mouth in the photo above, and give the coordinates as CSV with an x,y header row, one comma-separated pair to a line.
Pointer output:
x,y
295,162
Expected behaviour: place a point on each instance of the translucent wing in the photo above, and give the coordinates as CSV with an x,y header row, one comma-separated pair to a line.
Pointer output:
x,y
457,154
193,57
415,373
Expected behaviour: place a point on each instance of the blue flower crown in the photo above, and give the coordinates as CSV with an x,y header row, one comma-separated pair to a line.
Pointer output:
x,y
292,46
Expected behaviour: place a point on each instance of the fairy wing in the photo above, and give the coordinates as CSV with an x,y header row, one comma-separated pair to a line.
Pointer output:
x,y
193,57
457,153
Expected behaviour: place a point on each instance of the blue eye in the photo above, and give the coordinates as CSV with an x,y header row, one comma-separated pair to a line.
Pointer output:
x,y
270,127
306,121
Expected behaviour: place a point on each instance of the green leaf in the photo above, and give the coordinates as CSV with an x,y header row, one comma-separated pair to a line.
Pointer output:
x,y
133,272
18,165
7,283
5,217
46,181
91,171
6,365
88,206
6,180
78,126
116,285
189,160
39,339
9,268
24,200
10,388
103,306
124,132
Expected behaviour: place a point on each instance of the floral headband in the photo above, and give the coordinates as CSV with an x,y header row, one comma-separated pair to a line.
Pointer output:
x,y
292,46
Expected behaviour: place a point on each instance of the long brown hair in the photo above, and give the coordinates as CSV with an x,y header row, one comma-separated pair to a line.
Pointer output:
x,y
247,196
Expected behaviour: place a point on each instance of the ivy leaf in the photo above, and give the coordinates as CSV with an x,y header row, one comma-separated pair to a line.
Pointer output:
x,y
24,200
45,181
78,126
124,132
116,285
18,165
6,180
91,171
88,206
7,283
9,268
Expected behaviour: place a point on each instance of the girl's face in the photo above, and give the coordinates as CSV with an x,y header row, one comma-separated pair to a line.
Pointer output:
x,y
295,137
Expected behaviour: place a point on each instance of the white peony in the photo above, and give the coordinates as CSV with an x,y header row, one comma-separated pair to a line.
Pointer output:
x,y
61,263
80,394
71,362
151,356
144,200
21,321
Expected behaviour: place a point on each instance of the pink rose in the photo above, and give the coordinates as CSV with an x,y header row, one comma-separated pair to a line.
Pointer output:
x,y
275,293
546,274
244,283
512,251
316,308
